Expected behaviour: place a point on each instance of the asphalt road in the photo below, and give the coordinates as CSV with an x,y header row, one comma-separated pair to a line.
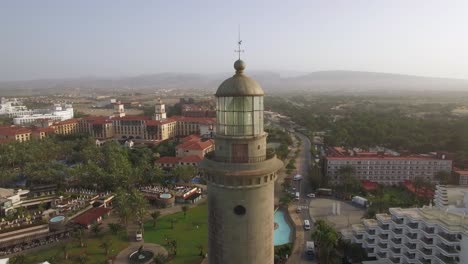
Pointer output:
x,y
303,162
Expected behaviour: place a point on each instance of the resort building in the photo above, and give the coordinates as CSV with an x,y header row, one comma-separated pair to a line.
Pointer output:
x,y
193,145
431,234
386,169
14,133
57,113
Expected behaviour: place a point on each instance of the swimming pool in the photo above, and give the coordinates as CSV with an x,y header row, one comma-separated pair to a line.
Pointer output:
x,y
57,219
282,233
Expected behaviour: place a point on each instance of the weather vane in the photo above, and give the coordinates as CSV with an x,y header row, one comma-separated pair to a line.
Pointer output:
x,y
239,43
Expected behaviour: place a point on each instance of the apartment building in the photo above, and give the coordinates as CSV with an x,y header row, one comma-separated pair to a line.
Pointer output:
x,y
387,169
427,235
15,133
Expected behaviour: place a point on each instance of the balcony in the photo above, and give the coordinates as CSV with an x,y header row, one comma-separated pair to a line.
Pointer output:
x,y
370,241
446,260
449,237
426,251
447,250
413,225
396,242
395,260
410,256
398,231
245,159
385,227
429,230
382,246
397,221
425,261
371,232
396,250
412,236
383,236
411,246
382,254
428,241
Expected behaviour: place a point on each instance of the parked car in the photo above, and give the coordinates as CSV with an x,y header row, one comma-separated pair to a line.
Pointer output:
x,y
139,235
311,195
298,210
297,177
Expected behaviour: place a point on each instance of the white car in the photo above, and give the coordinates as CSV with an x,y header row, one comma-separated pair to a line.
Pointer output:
x,y
298,177
138,236
311,195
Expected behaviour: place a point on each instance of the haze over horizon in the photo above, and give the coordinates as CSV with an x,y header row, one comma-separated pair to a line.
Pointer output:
x,y
56,39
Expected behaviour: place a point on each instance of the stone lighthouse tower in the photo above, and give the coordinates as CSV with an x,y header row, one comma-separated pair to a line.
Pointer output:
x,y
240,175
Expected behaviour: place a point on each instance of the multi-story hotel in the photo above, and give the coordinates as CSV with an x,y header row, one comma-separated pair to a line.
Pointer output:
x,y
140,129
387,169
429,235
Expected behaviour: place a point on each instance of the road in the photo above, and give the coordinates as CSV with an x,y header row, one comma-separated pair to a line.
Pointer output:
x,y
303,162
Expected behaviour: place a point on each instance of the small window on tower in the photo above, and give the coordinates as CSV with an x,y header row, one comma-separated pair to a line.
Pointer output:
x,y
258,147
239,210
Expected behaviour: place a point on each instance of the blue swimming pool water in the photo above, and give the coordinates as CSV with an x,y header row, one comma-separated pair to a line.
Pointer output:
x,y
57,219
282,234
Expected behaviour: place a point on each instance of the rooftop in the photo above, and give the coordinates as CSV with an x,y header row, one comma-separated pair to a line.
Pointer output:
x,y
91,215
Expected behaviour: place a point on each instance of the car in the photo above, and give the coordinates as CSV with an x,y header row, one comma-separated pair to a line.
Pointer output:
x,y
297,177
139,236
298,210
311,195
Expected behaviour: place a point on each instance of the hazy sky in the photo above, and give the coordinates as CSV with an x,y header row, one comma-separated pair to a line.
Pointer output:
x,y
56,39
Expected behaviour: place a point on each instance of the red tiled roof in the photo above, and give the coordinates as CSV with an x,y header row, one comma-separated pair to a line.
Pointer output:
x,y
68,121
422,192
196,145
191,159
384,158
2,141
168,160
369,185
461,172
13,130
91,215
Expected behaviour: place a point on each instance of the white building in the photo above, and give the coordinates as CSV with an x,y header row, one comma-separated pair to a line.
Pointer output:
x,y
11,107
58,113
429,235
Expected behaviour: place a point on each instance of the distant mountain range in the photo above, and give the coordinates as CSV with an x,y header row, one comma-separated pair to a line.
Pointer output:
x,y
322,81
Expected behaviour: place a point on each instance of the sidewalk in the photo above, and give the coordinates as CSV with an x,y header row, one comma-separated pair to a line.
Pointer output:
x,y
299,240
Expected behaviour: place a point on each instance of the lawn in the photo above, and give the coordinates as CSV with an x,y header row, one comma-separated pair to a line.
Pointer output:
x,y
93,251
185,232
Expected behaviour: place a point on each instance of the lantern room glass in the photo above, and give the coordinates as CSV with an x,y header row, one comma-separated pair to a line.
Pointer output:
x,y
239,116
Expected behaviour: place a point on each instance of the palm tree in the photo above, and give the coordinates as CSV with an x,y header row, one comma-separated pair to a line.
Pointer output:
x,y
79,235
106,245
96,229
347,177
185,208
201,248
114,228
327,240
18,259
65,249
83,258
155,215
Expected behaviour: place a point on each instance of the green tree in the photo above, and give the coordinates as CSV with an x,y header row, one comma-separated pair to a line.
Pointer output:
x,y
327,239
96,229
115,228
184,173
106,245
155,215
65,249
348,180
161,259
185,209
444,177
